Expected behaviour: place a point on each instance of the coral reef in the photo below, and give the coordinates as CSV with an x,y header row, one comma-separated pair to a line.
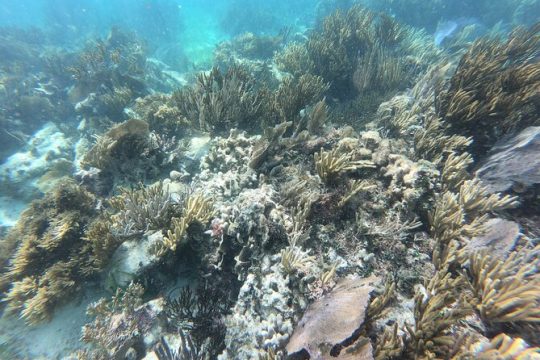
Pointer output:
x,y
322,191
52,257
492,91
221,101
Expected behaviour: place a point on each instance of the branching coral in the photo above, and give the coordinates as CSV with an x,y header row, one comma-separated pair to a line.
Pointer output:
x,y
329,164
507,290
294,259
147,208
503,347
197,208
494,88
461,210
221,101
52,257
435,315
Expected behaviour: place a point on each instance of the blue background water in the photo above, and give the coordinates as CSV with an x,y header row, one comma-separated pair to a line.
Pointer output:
x,y
198,24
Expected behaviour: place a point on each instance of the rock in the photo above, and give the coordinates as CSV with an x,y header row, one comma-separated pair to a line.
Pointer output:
x,y
500,238
515,162
175,175
333,320
131,259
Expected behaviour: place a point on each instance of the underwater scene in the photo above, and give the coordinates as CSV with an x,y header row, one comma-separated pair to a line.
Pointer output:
x,y
270,179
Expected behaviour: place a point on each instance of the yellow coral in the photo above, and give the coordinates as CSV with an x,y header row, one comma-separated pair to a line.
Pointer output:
x,y
507,290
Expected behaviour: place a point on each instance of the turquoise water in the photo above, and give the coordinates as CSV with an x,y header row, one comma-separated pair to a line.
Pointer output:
x,y
249,179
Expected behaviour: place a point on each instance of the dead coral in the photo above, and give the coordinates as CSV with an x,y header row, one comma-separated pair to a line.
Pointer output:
x,y
494,88
117,324
330,325
119,147
161,114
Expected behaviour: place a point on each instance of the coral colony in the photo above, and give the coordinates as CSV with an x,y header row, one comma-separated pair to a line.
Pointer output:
x,y
351,189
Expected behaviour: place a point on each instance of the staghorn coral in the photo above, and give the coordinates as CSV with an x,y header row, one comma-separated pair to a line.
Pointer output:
x,y
494,88
435,314
501,347
462,209
294,259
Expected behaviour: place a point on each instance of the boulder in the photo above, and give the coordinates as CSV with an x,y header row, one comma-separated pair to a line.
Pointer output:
x,y
513,163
